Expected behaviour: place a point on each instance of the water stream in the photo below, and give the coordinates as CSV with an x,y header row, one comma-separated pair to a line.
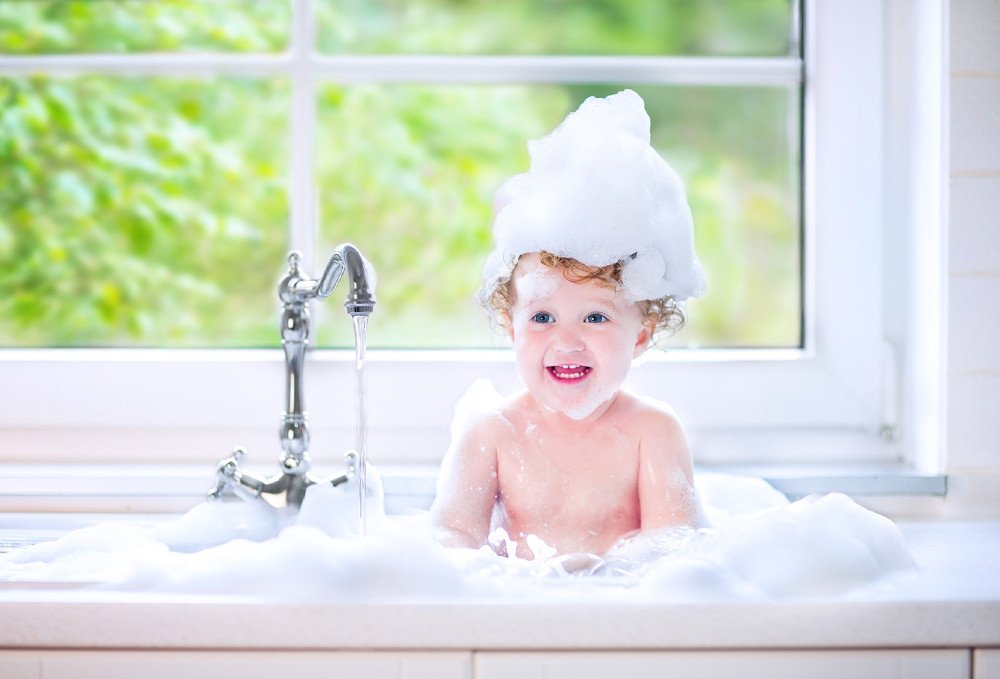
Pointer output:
x,y
360,396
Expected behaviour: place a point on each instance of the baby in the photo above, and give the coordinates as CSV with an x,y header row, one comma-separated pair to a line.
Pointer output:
x,y
594,252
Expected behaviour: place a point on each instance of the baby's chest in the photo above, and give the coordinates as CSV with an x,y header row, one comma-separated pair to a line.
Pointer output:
x,y
578,477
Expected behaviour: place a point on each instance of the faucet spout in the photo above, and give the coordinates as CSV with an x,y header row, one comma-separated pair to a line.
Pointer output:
x,y
360,276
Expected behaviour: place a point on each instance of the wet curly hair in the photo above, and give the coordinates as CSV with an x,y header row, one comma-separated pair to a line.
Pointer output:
x,y
662,316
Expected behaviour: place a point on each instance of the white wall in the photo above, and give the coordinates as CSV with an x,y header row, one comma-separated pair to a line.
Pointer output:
x,y
973,301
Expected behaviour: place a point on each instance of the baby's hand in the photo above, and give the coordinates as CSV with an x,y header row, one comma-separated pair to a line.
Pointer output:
x,y
577,563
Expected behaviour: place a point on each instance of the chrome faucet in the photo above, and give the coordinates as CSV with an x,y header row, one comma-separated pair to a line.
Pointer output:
x,y
295,291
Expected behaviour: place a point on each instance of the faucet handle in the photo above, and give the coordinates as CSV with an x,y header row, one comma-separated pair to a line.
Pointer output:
x,y
230,465
239,453
296,287
226,471
351,461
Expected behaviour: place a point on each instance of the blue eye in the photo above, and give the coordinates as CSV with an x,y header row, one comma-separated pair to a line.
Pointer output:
x,y
543,317
596,318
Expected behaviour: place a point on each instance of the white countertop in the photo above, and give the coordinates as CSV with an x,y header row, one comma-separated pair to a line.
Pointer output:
x,y
954,602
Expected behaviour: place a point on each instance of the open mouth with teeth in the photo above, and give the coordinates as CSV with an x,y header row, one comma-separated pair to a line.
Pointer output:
x,y
569,372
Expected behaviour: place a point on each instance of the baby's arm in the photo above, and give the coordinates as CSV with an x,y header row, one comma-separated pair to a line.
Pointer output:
x,y
467,485
666,480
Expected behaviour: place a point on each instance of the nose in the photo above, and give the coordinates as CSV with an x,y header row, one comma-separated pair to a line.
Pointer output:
x,y
568,339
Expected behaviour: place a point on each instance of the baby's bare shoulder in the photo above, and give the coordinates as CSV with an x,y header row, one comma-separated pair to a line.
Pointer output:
x,y
651,417
647,409
485,423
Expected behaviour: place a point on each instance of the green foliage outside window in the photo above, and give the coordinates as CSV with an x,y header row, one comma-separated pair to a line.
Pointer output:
x,y
152,211
578,27
407,173
135,212
132,26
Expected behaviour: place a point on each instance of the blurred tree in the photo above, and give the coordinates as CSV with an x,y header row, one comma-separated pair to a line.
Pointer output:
x,y
606,27
130,26
133,210
152,211
408,172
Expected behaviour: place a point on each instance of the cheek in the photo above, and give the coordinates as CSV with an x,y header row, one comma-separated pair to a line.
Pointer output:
x,y
525,343
619,348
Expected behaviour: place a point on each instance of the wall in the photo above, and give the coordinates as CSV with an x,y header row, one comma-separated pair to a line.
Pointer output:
x,y
973,280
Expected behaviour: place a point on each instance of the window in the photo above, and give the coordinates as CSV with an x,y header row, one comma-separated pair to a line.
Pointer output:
x,y
119,163
784,361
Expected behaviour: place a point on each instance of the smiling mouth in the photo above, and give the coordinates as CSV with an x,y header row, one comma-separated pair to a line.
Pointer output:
x,y
569,373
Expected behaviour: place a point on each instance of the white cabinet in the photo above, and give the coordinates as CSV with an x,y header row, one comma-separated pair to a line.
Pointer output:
x,y
986,663
20,665
897,664
245,665
882,664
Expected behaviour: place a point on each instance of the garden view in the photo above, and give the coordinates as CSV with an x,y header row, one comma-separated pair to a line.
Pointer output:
x,y
153,210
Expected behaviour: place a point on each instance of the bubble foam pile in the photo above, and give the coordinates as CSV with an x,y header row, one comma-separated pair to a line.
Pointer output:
x,y
596,191
762,548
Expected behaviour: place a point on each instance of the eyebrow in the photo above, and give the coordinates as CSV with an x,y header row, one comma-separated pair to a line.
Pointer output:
x,y
594,303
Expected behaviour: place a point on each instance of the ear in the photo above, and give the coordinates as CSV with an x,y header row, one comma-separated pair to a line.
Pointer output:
x,y
643,339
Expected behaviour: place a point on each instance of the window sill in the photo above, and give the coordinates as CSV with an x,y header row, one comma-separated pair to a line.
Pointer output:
x,y
141,488
856,480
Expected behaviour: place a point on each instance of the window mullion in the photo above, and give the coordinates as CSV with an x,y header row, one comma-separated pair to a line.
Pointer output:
x,y
303,208
774,71
770,71
197,65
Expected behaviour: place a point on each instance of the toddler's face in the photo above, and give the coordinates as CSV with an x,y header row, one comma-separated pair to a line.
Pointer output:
x,y
573,342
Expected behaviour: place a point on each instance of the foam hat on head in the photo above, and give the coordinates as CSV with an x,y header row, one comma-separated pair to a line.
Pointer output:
x,y
598,192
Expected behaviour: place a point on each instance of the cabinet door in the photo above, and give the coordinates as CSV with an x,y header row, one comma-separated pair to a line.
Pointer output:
x,y
986,663
20,665
899,664
245,665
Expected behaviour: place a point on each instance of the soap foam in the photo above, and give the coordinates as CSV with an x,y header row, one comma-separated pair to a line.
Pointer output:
x,y
818,546
536,285
596,191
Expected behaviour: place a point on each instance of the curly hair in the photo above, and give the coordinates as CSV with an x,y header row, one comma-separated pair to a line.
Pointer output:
x,y
662,316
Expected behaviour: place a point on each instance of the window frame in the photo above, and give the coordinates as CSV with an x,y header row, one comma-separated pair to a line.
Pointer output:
x,y
834,400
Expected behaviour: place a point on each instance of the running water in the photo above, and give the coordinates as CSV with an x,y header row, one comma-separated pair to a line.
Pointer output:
x,y
360,344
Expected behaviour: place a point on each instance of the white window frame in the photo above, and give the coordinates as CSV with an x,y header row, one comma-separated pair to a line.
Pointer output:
x,y
837,400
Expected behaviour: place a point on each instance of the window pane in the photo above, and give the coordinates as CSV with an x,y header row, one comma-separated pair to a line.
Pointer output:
x,y
649,27
141,211
407,173
119,26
